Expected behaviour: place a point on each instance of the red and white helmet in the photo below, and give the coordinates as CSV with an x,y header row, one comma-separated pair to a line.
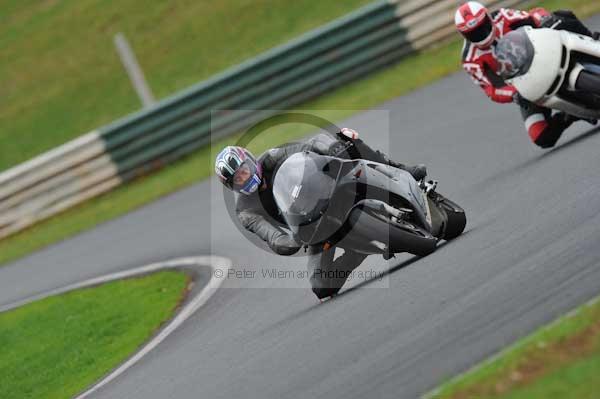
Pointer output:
x,y
475,23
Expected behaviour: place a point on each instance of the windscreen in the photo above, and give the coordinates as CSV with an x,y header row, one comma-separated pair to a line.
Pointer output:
x,y
514,53
303,186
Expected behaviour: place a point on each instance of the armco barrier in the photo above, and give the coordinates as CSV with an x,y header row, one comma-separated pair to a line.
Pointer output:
x,y
374,36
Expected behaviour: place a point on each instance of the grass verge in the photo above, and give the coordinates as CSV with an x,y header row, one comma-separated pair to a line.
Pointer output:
x,y
559,361
414,72
61,75
58,346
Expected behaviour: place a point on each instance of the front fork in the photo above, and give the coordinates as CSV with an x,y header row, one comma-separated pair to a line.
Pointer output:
x,y
430,196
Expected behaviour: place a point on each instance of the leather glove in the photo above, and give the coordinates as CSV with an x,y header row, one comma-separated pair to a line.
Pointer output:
x,y
419,172
545,21
519,100
284,245
348,133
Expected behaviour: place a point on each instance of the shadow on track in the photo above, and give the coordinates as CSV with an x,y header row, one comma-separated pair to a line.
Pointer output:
x,y
514,169
400,266
391,270
319,305
574,141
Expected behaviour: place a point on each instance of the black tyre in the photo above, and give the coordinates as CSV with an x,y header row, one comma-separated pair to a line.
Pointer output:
x,y
457,220
588,82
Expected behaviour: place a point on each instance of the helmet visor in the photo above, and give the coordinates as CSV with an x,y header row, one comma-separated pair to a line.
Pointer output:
x,y
245,178
480,33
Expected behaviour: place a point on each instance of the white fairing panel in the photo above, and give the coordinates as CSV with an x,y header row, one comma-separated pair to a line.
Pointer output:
x,y
548,46
583,44
545,68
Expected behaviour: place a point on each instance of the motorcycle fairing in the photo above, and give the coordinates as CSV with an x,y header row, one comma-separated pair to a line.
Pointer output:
x,y
552,52
315,220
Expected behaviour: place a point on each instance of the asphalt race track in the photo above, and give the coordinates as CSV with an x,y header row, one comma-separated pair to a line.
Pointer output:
x,y
530,253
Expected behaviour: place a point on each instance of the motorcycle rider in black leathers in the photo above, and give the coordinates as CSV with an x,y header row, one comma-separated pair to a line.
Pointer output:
x,y
257,211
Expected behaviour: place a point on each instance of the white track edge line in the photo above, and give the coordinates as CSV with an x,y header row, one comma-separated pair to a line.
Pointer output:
x,y
215,262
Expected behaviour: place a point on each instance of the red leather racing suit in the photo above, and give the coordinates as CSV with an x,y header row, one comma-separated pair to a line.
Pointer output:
x,y
482,65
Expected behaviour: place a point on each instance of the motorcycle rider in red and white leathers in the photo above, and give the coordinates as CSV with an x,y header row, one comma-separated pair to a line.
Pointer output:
x,y
481,30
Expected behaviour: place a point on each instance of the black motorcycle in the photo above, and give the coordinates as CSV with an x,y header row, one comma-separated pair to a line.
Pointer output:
x,y
361,205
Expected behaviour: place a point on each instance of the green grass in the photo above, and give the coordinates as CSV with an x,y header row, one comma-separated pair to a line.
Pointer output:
x,y
61,76
559,361
56,347
414,72
579,380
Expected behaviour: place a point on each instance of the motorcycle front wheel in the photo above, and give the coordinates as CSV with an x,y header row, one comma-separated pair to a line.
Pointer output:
x,y
457,220
588,82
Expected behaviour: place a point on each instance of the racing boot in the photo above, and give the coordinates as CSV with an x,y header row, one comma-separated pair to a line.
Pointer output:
x,y
557,124
327,280
324,286
566,120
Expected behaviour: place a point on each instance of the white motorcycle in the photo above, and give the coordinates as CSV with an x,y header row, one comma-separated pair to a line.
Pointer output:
x,y
554,69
